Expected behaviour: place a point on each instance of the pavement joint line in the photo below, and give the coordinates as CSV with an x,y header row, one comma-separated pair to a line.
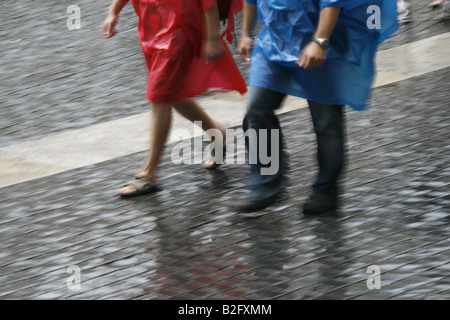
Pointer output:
x,y
106,141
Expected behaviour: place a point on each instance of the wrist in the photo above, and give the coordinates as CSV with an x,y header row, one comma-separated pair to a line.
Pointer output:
x,y
113,14
247,33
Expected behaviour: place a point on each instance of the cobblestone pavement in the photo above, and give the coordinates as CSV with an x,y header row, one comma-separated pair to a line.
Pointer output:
x,y
184,242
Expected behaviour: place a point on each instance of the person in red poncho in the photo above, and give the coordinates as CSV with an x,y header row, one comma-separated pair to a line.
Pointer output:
x,y
186,57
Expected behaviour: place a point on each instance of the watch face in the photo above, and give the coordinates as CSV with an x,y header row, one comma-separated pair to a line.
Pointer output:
x,y
322,42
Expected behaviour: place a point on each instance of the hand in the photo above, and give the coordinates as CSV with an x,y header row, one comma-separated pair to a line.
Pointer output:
x,y
214,49
109,25
245,48
312,56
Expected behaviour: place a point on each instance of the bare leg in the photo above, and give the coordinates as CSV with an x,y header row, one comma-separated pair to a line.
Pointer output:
x,y
160,125
193,112
436,3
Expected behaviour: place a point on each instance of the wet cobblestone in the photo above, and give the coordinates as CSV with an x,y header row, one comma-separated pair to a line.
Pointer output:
x,y
184,242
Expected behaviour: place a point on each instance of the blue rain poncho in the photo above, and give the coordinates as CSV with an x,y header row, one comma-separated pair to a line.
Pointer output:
x,y
347,76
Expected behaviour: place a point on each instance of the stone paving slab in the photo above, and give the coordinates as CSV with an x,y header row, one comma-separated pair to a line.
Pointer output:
x,y
184,243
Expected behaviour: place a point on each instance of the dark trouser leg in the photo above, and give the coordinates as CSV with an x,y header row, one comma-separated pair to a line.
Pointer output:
x,y
329,125
265,176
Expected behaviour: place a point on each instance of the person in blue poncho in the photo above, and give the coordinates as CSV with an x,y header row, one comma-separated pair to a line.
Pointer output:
x,y
320,50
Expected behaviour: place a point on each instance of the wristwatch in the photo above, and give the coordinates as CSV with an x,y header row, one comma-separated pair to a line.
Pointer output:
x,y
324,43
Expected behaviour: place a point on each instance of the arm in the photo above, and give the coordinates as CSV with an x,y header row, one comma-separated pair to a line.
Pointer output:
x,y
248,25
214,49
313,55
113,16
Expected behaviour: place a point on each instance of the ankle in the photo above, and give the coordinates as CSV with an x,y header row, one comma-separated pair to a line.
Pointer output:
x,y
148,175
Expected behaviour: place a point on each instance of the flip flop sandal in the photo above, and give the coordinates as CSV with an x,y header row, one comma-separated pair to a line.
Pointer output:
x,y
436,4
142,185
211,158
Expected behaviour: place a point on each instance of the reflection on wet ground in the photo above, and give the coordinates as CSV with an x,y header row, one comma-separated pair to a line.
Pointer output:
x,y
185,243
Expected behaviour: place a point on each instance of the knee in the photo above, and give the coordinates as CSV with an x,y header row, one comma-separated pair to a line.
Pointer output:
x,y
260,119
261,107
260,113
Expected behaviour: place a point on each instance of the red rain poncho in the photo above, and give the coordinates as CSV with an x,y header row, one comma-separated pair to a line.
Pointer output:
x,y
171,33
